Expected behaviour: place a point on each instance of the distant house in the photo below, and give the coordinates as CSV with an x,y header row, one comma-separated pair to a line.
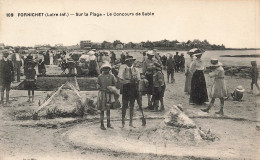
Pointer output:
x,y
85,44
119,46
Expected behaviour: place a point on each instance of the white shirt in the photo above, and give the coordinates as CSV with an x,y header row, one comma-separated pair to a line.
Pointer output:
x,y
197,64
17,57
5,59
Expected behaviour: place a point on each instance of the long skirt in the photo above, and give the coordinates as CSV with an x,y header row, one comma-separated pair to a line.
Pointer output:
x,y
187,87
198,93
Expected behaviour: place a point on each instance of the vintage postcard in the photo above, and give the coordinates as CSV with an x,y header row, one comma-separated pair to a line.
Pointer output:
x,y
129,79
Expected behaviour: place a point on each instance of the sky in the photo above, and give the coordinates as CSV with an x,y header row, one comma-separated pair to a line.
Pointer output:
x,y
234,23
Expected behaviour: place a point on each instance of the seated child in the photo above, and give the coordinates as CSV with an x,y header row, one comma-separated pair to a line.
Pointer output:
x,y
238,93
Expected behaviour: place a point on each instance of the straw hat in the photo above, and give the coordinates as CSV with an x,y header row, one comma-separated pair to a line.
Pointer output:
x,y
196,51
215,62
240,89
151,53
106,64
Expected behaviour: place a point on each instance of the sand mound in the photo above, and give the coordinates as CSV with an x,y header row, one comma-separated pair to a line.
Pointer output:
x,y
64,102
176,128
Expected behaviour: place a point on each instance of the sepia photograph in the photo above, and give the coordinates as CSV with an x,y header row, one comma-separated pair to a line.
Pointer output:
x,y
129,79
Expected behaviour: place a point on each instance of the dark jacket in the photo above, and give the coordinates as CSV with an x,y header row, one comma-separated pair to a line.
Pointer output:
x,y
6,72
170,64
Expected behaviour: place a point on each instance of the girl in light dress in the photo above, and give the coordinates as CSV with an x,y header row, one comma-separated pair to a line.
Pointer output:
x,y
218,89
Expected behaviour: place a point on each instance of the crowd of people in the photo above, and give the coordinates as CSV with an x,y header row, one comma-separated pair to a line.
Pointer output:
x,y
120,74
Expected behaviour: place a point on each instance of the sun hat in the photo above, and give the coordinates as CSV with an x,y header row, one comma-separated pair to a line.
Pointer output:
x,y
129,58
240,88
151,53
196,51
93,49
215,62
106,64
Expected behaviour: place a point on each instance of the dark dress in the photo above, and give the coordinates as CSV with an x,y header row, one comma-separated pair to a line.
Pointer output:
x,y
198,93
6,73
30,82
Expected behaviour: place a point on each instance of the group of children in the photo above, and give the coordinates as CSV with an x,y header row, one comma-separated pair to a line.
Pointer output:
x,y
132,84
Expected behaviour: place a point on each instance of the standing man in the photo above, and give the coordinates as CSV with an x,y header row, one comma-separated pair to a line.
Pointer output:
x,y
177,61
113,58
148,66
6,74
170,69
182,63
17,63
129,77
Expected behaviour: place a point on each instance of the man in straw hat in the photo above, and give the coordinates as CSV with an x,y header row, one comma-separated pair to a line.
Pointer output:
x,y
6,76
218,89
129,78
170,63
148,66
105,96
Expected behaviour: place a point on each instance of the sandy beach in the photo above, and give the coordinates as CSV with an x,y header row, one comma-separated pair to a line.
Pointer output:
x,y
237,131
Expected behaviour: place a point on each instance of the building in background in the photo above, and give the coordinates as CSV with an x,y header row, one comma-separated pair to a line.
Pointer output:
x,y
85,44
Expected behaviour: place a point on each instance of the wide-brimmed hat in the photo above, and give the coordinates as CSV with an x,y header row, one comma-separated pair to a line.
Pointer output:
x,y
129,58
93,49
106,64
151,53
240,88
196,51
215,62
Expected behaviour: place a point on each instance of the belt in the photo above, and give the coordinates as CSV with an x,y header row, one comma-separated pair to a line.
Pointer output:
x,y
219,77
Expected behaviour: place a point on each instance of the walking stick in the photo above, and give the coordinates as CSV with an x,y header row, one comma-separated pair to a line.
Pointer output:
x,y
140,107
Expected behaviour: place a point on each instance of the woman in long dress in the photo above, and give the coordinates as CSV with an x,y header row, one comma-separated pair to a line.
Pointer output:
x,y
198,93
188,75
